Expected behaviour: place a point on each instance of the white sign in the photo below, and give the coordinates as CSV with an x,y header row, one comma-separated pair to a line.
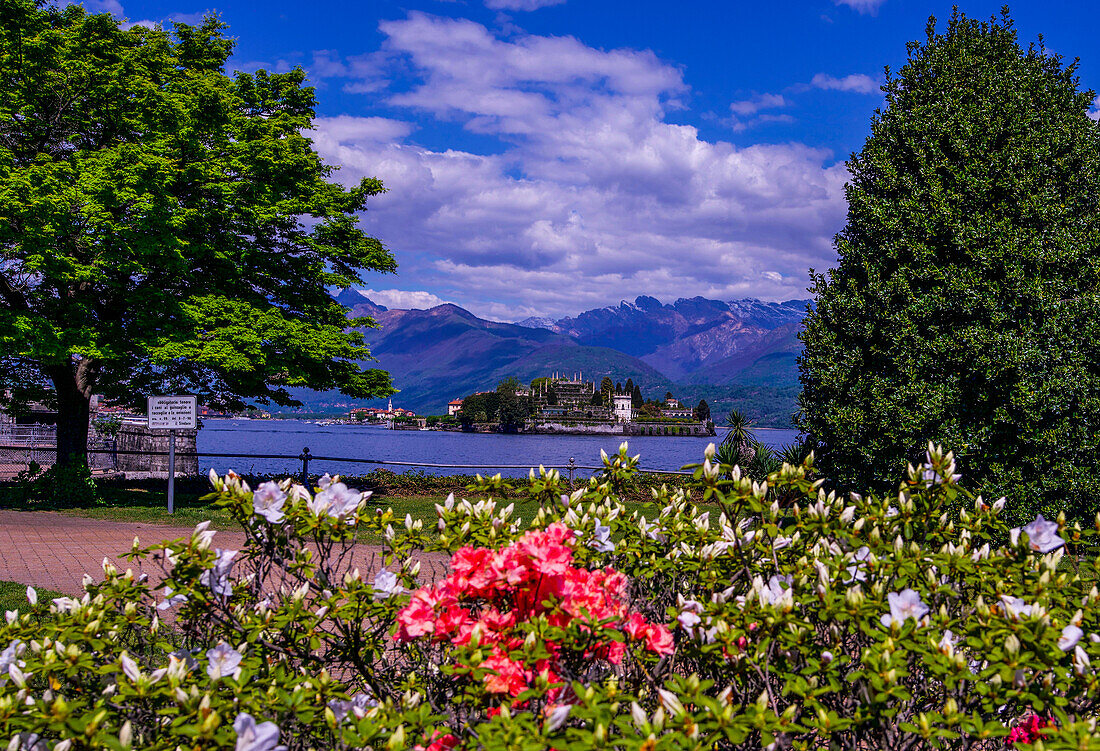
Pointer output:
x,y
173,413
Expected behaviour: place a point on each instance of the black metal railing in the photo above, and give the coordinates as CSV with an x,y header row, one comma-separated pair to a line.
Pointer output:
x,y
305,457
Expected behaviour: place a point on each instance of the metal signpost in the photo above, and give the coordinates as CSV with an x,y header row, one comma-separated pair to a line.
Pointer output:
x,y
172,413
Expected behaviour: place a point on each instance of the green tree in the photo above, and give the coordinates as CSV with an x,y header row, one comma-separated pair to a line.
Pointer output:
x,y
512,410
478,408
551,396
965,307
702,411
636,399
165,227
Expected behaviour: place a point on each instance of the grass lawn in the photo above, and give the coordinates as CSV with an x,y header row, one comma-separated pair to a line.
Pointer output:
x,y
145,501
13,596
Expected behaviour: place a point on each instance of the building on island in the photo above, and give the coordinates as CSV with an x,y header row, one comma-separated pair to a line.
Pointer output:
x,y
622,407
674,409
453,407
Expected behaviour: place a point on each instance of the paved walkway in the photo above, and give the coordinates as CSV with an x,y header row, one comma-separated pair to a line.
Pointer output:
x,y
54,551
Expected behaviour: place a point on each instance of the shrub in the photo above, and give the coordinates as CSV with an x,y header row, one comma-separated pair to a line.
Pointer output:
x,y
909,621
962,308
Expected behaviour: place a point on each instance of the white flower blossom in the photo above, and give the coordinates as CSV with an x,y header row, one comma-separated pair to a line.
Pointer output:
x,y
557,717
386,585
268,500
904,605
10,656
1042,536
356,705
1080,660
855,571
203,535
170,600
1015,608
130,667
775,593
32,596
222,660
1070,636
217,578
253,737
337,500
601,539
325,481
948,642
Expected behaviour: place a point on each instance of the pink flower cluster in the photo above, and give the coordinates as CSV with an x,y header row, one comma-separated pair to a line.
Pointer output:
x,y
490,591
1028,731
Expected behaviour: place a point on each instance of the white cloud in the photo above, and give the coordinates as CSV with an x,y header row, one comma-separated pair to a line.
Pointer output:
x,y
856,82
744,113
862,6
759,102
520,4
1094,113
593,197
403,299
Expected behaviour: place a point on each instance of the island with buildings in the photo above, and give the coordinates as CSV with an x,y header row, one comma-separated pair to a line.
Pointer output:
x,y
571,405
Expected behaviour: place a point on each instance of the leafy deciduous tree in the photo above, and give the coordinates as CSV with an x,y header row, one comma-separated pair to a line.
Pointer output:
x,y
165,227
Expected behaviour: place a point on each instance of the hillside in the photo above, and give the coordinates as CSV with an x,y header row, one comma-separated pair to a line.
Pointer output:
x,y
734,354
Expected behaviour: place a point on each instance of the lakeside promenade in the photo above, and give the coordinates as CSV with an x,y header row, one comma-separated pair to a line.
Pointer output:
x,y
44,549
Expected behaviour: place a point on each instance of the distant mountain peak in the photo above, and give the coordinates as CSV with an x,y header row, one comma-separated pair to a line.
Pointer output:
x,y
537,322
351,297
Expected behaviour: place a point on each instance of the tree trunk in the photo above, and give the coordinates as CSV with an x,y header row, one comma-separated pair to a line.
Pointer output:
x,y
74,386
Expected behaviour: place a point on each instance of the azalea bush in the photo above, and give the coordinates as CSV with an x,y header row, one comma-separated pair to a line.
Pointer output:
x,y
742,614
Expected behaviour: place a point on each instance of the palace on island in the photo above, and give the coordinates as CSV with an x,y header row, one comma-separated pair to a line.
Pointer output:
x,y
570,404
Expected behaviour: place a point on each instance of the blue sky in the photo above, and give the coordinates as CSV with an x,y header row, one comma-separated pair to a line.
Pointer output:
x,y
548,156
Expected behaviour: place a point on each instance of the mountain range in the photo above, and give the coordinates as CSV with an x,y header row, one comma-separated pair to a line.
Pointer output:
x,y
739,353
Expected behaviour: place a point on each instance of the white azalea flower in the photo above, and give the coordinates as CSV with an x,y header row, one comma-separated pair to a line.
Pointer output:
x,y
948,642
253,737
222,660
171,600
855,571
32,596
1070,636
689,616
130,667
1080,660
774,593
356,705
10,656
904,605
337,500
325,481
217,578
557,716
1015,608
601,539
1042,536
268,500
386,585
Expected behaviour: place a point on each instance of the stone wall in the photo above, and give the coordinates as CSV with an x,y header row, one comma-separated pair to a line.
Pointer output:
x,y
135,436
578,429
668,429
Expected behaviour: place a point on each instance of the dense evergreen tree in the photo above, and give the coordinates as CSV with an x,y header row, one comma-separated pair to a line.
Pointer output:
x,y
965,306
512,410
702,411
636,398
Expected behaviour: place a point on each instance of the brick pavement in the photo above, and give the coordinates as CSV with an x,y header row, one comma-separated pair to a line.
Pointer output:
x,y
54,551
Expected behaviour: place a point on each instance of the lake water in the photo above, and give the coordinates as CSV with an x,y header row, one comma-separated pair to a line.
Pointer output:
x,y
489,452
